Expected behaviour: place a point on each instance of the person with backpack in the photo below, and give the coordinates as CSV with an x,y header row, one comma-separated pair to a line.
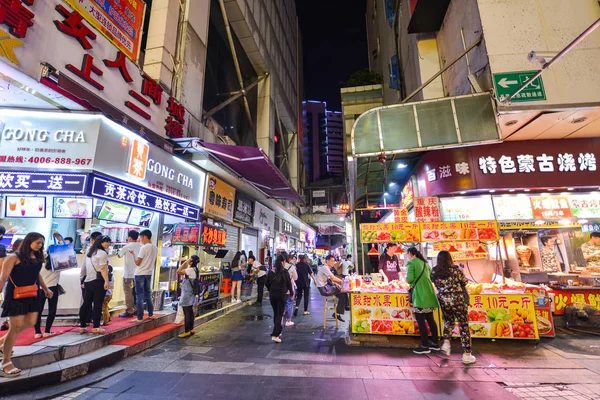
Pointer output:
x,y
278,284
189,290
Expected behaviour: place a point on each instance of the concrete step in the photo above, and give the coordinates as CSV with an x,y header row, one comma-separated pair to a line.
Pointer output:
x,y
70,355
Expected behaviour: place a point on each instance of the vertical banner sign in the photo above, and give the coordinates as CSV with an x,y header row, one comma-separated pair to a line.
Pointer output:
x,y
120,21
220,199
400,215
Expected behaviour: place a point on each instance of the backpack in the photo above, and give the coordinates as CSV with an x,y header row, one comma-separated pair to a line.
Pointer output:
x,y
195,282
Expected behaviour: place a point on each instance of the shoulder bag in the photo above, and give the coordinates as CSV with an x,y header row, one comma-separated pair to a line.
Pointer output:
x,y
412,287
24,292
98,274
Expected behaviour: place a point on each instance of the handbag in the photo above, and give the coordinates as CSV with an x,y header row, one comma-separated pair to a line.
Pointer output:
x,y
62,256
411,288
24,292
98,274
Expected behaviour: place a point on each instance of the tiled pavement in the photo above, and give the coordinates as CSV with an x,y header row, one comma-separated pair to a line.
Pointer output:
x,y
234,358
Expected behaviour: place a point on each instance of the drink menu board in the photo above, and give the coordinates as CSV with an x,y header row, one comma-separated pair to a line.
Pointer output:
x,y
25,207
454,231
186,234
72,207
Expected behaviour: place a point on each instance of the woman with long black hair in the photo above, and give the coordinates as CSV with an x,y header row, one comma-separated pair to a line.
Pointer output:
x,y
424,300
236,278
21,303
279,283
451,284
94,273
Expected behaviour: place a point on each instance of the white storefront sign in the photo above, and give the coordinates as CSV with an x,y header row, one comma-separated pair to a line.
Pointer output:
x,y
50,140
263,217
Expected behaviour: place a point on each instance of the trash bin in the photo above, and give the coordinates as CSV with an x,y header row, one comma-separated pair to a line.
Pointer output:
x,y
158,299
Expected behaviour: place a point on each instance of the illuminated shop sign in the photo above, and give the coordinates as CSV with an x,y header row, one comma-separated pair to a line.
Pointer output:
x,y
42,182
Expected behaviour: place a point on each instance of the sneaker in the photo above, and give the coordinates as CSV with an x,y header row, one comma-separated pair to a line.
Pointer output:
x,y
433,346
468,358
422,350
238,301
446,348
275,339
184,335
289,323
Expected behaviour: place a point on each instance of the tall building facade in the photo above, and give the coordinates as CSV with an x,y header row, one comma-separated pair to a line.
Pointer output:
x,y
323,142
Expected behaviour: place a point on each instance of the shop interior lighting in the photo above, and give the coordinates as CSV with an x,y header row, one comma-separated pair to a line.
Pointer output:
x,y
463,192
392,184
480,251
565,221
550,190
540,222
582,221
373,251
401,166
570,189
527,190
511,190
492,191
386,194
545,194
452,249
342,219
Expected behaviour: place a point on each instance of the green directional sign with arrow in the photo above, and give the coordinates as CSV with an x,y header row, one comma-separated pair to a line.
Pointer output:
x,y
507,83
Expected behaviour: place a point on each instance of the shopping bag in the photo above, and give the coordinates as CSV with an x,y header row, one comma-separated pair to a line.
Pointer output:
x,y
62,256
179,318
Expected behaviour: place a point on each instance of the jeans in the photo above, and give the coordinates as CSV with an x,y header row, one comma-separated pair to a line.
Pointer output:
x,y
128,289
303,292
261,288
289,307
94,298
142,291
188,314
421,318
52,305
278,303
334,291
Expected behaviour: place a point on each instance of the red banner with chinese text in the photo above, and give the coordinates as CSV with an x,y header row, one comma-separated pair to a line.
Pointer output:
x,y
564,298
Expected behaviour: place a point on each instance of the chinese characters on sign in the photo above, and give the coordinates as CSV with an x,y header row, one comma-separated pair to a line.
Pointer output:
x,y
42,182
555,207
454,231
120,21
186,234
138,158
585,206
244,209
528,163
213,236
389,232
134,196
400,215
427,209
466,250
210,287
219,199
564,298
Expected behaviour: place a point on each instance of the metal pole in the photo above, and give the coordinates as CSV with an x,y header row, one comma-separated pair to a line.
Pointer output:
x,y
417,90
235,95
557,57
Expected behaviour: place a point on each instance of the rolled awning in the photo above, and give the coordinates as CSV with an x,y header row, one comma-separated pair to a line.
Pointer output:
x,y
254,165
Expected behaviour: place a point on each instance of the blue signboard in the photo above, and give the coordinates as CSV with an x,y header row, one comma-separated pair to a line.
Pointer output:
x,y
42,182
137,197
592,226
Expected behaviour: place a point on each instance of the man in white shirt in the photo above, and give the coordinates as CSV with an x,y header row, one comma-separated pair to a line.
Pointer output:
x,y
146,263
129,271
325,289
347,266
260,272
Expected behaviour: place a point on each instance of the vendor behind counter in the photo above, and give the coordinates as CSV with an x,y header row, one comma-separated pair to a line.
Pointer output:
x,y
389,264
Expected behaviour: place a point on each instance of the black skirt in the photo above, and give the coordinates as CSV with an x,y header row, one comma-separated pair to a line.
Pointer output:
x,y
13,308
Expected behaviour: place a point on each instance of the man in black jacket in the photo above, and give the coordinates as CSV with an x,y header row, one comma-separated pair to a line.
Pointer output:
x,y
305,274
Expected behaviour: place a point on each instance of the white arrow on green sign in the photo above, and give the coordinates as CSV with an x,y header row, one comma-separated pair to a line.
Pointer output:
x,y
507,83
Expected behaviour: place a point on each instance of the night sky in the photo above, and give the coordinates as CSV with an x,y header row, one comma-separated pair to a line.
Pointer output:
x,y
334,40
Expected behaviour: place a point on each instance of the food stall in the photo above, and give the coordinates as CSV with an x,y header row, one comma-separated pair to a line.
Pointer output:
x,y
504,309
